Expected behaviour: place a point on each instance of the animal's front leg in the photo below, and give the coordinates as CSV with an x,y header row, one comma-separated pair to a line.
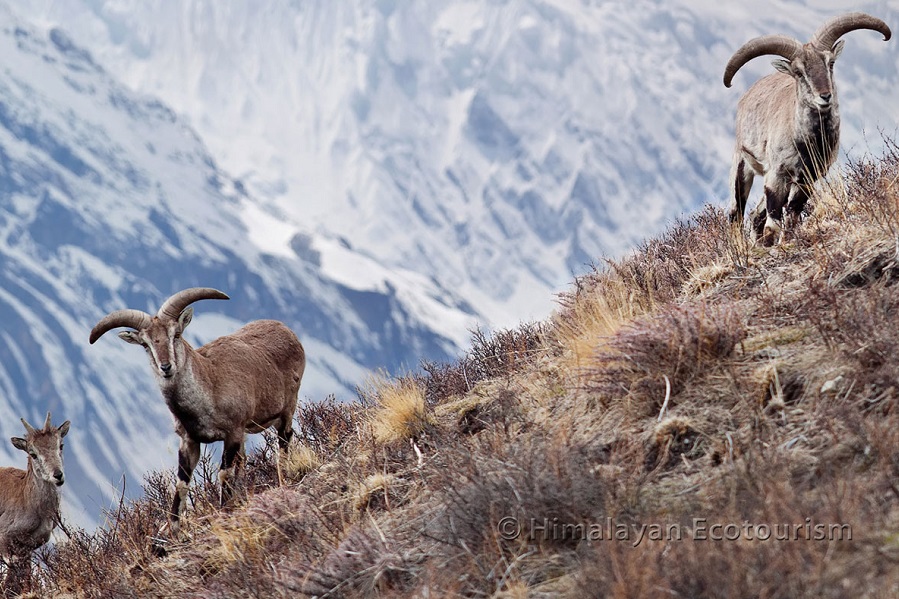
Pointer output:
x,y
232,460
775,199
757,218
188,456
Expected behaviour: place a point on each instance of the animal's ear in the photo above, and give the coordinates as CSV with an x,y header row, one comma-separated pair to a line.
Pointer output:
x,y
20,443
837,48
130,337
64,428
185,317
784,66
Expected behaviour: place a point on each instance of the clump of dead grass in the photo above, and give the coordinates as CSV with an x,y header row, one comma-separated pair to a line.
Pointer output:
x,y
377,492
707,277
654,275
399,412
503,353
673,438
301,460
237,540
657,356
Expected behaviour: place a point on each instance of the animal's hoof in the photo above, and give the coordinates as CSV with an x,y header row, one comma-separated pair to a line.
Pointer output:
x,y
158,546
167,534
772,232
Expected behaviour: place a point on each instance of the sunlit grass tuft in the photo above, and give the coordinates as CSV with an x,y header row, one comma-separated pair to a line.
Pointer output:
x,y
400,412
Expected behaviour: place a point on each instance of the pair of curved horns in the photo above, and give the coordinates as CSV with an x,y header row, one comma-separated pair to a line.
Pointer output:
x,y
30,429
789,48
171,309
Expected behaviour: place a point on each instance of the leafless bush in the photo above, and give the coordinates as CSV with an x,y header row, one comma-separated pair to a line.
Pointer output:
x,y
655,357
325,425
872,186
97,564
499,354
498,498
363,565
852,321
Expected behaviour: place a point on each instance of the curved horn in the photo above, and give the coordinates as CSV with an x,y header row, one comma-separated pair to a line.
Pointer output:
x,y
135,319
28,428
760,46
837,27
173,306
47,422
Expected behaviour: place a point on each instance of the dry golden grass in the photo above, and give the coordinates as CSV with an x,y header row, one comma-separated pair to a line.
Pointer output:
x,y
706,277
592,315
400,413
239,539
375,491
301,460
774,338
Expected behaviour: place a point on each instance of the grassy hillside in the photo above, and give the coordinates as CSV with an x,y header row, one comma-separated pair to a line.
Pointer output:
x,y
703,418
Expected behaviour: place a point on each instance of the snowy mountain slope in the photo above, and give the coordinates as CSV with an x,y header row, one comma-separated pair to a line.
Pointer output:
x,y
497,147
108,200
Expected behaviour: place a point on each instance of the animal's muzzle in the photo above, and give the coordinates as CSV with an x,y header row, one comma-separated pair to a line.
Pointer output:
x,y
824,100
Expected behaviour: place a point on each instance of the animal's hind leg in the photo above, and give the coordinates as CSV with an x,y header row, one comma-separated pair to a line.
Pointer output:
x,y
285,435
799,195
741,183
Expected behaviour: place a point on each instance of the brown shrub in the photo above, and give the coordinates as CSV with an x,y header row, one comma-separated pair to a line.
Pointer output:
x,y
663,353
325,425
363,565
500,354
526,477
871,186
852,322
97,564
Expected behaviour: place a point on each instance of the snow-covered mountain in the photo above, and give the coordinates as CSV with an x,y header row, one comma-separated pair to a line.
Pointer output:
x,y
381,175
495,146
